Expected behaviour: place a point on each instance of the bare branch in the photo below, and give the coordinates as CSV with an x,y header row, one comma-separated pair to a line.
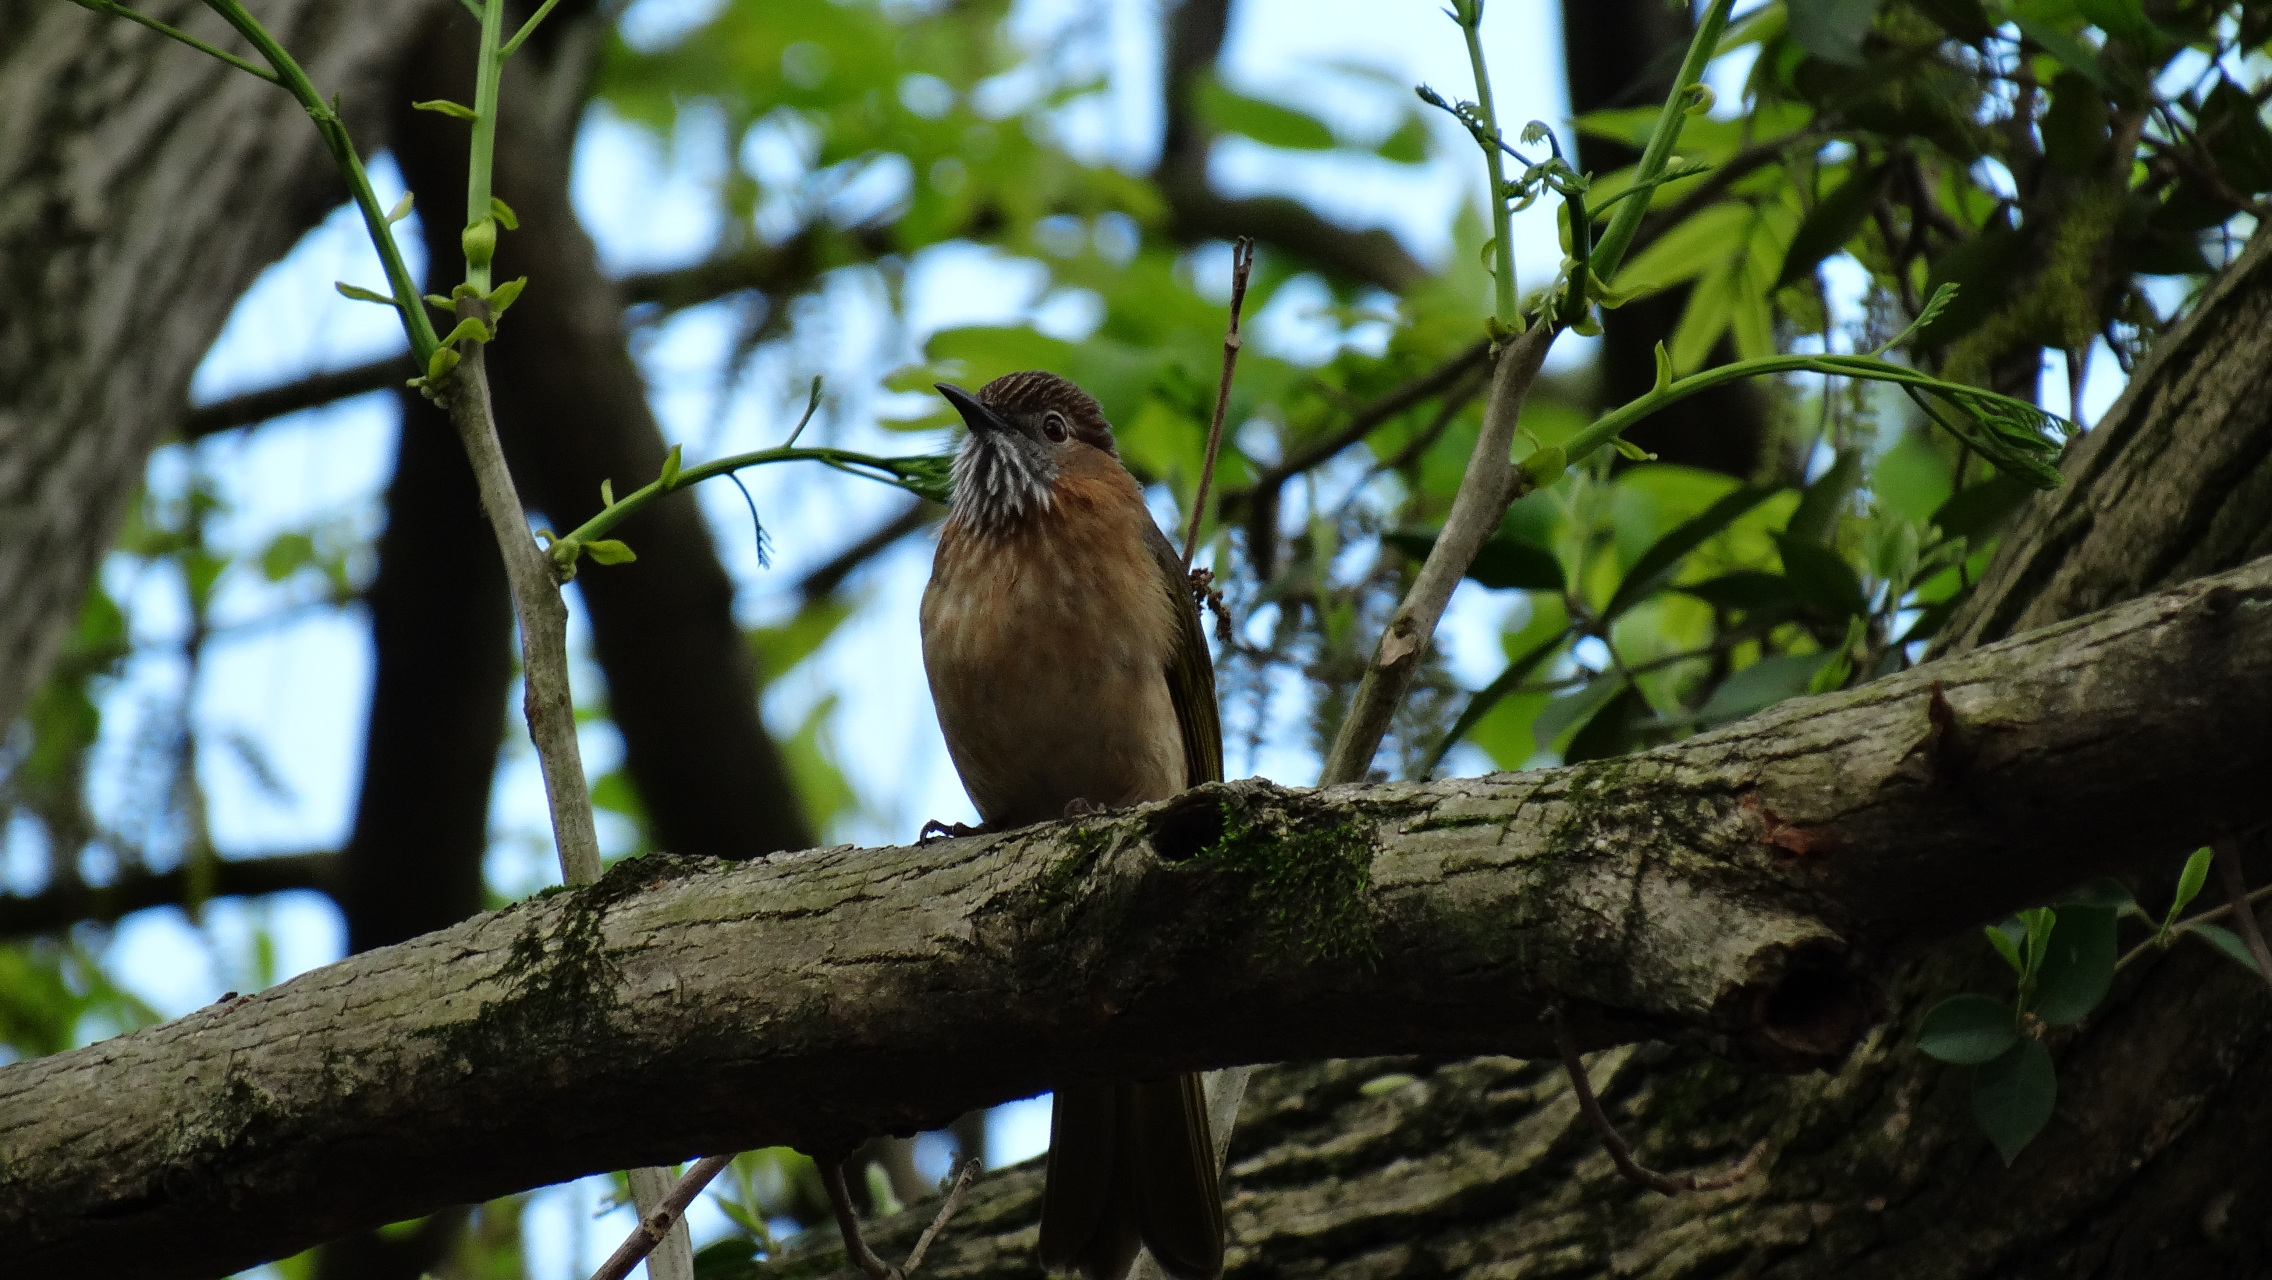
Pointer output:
x,y
2227,848
1620,1152
62,906
657,1225
1242,265
1484,494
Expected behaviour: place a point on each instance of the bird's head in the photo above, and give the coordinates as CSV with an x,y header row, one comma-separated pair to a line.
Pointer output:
x,y
1025,428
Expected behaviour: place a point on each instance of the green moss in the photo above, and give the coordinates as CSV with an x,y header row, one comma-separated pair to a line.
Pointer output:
x,y
1084,846
1307,874
1593,793
560,983
1458,823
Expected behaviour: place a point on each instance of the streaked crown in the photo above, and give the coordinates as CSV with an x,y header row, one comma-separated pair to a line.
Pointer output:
x,y
1022,427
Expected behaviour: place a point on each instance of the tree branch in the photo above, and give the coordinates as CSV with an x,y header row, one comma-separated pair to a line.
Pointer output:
x,y
65,905
1738,890
1485,491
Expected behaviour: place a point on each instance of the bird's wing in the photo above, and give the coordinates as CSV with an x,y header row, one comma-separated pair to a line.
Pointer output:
x,y
1190,672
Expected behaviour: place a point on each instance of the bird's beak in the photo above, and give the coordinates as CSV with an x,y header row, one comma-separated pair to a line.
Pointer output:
x,y
973,410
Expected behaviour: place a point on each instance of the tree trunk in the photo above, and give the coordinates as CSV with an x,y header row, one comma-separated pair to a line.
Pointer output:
x,y
146,185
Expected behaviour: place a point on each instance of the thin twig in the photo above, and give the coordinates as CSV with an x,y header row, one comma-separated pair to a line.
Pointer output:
x,y
1621,1154
848,1222
2236,891
2159,941
1242,265
947,1207
651,1230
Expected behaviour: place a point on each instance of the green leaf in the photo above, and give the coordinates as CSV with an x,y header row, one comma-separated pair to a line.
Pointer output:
x,y
733,1258
778,648
286,555
1964,19
1979,510
1697,245
2236,138
609,551
1612,730
1832,30
1492,694
2190,880
670,467
2078,965
440,363
1984,270
2000,938
401,209
2013,434
503,212
1822,579
1816,517
2105,891
2227,941
2069,50
1265,122
1408,145
2012,1097
607,492
1743,590
1968,1030
443,106
361,294
2038,922
1759,686
503,295
1831,223
1504,561
1655,567
1573,711
468,328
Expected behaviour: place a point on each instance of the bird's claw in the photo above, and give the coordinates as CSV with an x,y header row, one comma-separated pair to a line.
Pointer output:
x,y
937,830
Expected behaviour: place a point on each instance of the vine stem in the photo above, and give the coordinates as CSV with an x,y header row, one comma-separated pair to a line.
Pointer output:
x,y
1469,14
1609,250
415,324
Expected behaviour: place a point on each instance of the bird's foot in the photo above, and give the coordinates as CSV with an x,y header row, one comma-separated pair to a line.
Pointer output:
x,y
1079,807
937,830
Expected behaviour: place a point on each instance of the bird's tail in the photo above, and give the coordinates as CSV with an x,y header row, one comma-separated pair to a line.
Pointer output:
x,y
1132,1165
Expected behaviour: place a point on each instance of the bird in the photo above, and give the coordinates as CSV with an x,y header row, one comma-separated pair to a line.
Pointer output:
x,y
1070,674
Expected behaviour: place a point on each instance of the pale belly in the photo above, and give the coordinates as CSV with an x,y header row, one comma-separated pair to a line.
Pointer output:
x,y
1046,699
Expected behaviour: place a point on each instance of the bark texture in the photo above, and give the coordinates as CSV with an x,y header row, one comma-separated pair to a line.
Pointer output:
x,y
145,184
1737,891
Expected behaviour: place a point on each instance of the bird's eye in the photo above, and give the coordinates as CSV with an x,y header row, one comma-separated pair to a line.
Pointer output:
x,y
1053,425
